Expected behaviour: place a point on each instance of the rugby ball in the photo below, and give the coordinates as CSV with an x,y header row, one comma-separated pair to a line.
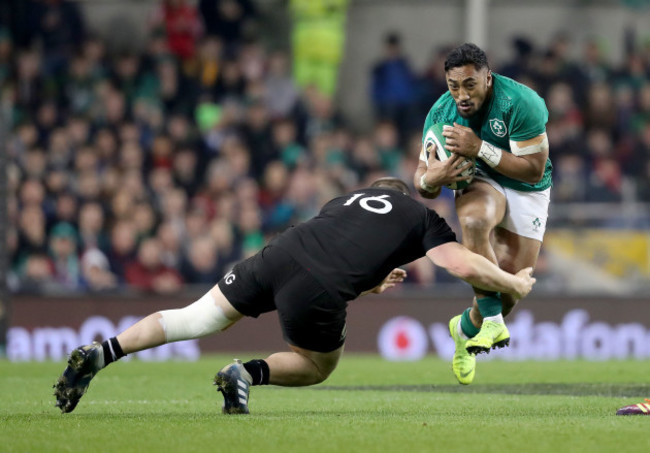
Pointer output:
x,y
434,142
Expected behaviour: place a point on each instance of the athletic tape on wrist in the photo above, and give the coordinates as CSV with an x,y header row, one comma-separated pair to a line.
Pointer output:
x,y
426,187
490,154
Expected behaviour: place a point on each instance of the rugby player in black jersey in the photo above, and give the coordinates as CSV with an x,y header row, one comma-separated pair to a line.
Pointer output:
x,y
308,273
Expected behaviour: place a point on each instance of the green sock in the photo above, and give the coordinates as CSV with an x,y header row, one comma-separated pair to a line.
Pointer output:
x,y
467,326
490,305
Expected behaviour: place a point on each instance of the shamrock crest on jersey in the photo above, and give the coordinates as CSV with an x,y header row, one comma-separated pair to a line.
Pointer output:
x,y
498,127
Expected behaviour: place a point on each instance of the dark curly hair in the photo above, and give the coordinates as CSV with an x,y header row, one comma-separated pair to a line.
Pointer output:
x,y
466,54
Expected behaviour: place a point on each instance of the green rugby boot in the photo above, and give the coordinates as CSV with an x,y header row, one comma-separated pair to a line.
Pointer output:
x,y
463,363
491,336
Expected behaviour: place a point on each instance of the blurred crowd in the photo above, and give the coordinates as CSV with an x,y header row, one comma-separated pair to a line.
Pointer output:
x,y
159,168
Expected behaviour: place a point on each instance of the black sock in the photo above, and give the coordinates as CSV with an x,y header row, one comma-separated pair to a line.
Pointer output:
x,y
259,371
112,350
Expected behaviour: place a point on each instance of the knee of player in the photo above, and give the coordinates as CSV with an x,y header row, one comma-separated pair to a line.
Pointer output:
x,y
322,375
201,318
475,225
323,370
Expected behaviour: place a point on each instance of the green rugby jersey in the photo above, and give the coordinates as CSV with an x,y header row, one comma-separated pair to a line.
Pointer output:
x,y
514,112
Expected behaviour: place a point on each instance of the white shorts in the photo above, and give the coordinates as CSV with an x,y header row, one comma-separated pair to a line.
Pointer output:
x,y
526,212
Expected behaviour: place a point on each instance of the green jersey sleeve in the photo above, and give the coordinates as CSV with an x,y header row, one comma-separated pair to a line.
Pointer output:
x,y
529,117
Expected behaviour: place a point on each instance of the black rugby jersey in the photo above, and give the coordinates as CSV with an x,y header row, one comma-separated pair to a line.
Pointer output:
x,y
358,238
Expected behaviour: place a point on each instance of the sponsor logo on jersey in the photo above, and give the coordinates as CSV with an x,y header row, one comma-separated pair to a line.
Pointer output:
x,y
229,278
498,127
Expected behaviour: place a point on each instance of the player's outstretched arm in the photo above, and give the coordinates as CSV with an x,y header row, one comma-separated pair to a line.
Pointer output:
x,y
479,271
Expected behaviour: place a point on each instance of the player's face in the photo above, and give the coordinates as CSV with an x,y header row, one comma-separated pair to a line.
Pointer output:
x,y
469,87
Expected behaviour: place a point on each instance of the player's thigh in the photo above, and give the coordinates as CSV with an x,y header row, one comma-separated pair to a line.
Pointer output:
x,y
480,204
518,238
311,318
248,288
326,362
515,252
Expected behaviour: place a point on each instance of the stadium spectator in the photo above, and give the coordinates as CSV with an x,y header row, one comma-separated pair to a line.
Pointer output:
x,y
201,263
231,20
432,83
148,273
318,39
285,143
6,55
570,179
182,26
37,275
386,141
32,237
63,252
599,112
521,65
31,84
228,248
58,27
593,67
122,248
170,244
95,271
281,93
92,232
394,86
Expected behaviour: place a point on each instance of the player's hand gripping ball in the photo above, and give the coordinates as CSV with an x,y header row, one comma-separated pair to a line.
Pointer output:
x,y
434,141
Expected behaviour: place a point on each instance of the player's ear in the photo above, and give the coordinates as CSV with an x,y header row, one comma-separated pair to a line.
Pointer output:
x,y
489,78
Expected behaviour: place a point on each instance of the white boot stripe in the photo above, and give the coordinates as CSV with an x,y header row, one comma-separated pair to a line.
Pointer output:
x,y
241,393
241,383
242,401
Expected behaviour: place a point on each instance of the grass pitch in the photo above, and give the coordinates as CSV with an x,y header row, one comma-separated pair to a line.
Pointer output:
x,y
367,405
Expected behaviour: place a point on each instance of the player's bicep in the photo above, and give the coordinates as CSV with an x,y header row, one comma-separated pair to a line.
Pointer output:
x,y
451,256
534,152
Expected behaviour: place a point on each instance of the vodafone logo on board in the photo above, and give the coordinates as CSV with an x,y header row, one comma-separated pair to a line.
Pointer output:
x,y
403,338
575,336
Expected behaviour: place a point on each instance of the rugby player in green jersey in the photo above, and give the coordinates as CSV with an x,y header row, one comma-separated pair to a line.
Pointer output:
x,y
502,124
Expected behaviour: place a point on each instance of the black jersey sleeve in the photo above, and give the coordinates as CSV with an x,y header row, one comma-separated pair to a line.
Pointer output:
x,y
438,232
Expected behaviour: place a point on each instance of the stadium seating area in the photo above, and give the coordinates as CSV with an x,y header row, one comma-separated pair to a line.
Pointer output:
x,y
155,169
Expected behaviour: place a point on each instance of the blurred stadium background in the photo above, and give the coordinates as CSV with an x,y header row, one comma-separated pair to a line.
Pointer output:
x,y
148,145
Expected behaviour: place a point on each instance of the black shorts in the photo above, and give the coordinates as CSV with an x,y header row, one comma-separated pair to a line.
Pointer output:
x,y
311,318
